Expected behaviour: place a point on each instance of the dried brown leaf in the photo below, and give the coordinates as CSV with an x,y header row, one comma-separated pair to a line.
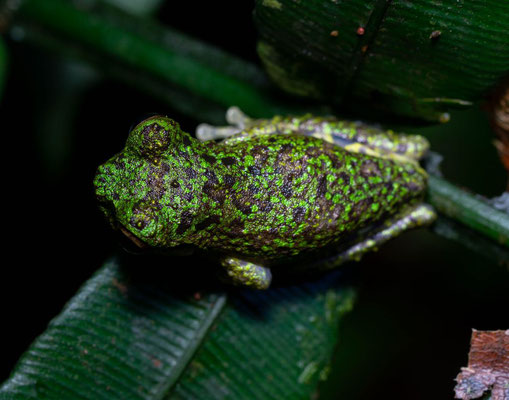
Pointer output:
x,y
488,367
498,109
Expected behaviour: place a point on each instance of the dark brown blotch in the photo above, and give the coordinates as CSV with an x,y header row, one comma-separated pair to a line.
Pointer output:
x,y
229,181
253,189
211,177
210,159
191,173
228,161
298,214
235,228
186,220
344,177
266,206
215,192
207,223
260,154
321,188
253,170
287,190
313,151
188,196
240,205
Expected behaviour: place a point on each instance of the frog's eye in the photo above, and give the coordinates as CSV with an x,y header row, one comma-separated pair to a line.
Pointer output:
x,y
152,137
143,221
139,221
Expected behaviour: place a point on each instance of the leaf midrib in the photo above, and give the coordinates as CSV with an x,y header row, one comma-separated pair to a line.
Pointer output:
x,y
161,390
372,28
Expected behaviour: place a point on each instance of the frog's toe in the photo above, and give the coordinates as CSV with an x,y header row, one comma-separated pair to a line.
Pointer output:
x,y
246,273
235,116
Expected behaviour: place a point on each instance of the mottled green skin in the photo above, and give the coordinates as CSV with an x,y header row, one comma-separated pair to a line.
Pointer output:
x,y
258,197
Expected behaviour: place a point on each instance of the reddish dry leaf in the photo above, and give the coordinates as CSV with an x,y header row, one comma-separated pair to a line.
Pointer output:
x,y
498,109
488,367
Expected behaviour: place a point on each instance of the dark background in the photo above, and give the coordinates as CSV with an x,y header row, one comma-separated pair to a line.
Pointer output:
x,y
419,296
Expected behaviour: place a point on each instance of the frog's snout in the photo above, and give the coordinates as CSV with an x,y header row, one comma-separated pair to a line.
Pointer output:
x,y
127,239
101,182
103,193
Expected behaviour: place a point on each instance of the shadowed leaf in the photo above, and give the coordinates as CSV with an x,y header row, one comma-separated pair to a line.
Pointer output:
x,y
132,337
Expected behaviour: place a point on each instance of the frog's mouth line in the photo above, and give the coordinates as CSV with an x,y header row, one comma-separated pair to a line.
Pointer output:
x,y
140,244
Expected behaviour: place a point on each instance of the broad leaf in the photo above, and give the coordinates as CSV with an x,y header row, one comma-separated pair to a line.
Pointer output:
x,y
412,58
126,335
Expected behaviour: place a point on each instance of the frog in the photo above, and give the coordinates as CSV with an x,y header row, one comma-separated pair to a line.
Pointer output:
x,y
262,194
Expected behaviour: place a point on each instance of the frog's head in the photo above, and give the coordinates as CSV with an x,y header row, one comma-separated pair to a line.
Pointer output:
x,y
138,189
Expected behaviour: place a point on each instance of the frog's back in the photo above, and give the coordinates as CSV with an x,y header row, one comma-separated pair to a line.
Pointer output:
x,y
285,194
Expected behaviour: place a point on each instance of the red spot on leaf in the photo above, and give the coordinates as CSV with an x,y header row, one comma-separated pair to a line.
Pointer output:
x,y
120,286
156,363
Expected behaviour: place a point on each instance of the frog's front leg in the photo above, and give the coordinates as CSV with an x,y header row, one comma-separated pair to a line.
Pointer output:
x,y
417,216
246,273
236,119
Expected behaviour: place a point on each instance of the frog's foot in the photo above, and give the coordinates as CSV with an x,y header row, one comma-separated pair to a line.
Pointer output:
x,y
417,216
206,132
245,273
236,119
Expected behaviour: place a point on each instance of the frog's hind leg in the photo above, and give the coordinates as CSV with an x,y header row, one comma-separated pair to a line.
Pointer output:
x,y
358,137
245,273
417,216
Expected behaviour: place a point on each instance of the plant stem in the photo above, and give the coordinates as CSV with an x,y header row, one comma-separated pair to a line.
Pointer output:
x,y
462,206
173,62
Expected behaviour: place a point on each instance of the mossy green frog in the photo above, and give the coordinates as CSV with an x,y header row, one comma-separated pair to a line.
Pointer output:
x,y
272,191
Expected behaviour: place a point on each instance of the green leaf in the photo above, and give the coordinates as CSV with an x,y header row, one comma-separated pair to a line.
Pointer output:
x,y
411,58
132,337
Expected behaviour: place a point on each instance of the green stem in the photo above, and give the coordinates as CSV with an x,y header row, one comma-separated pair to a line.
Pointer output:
x,y
177,62
471,211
